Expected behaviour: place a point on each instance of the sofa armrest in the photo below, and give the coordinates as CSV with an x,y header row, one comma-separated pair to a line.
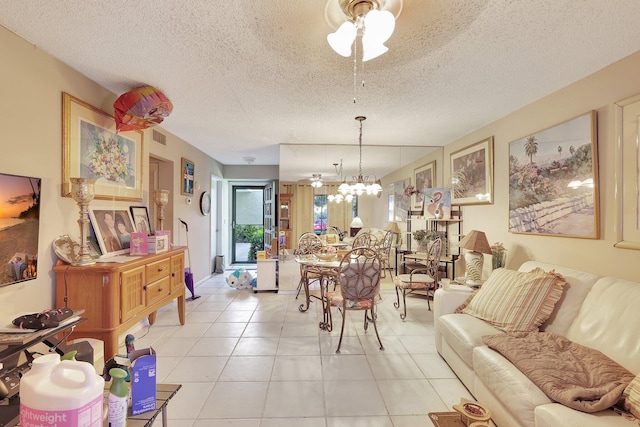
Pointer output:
x,y
446,302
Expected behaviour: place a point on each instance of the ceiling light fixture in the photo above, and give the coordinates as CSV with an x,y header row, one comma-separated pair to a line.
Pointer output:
x,y
367,19
360,184
338,197
364,25
316,180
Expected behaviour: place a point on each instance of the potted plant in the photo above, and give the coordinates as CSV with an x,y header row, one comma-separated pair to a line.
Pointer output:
x,y
424,238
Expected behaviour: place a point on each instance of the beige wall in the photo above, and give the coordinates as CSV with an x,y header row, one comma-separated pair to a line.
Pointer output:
x,y
596,92
31,137
30,113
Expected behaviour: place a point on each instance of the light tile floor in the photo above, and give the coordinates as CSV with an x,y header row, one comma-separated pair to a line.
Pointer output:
x,y
254,360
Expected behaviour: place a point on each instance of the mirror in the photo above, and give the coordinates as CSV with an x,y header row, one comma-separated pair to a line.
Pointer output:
x,y
298,162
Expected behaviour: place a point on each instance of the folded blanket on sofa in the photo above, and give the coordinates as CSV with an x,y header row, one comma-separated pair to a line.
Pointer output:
x,y
571,374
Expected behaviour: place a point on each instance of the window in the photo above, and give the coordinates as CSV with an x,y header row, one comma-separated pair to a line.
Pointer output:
x,y
320,213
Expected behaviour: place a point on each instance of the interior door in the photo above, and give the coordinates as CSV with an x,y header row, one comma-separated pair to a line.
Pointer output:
x,y
247,223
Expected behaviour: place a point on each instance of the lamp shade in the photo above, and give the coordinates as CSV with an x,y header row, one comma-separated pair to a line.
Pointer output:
x,y
356,223
392,227
476,241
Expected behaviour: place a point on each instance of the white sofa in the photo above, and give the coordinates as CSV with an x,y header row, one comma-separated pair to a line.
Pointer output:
x,y
598,312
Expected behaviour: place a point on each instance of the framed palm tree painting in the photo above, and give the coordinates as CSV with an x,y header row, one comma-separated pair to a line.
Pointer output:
x,y
553,180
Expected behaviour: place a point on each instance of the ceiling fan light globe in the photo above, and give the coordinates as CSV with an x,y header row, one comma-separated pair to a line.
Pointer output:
x,y
342,40
372,50
379,25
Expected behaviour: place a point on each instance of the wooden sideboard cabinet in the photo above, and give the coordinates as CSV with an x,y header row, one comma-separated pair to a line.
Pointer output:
x,y
116,296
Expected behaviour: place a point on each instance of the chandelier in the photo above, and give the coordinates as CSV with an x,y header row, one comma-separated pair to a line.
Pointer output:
x,y
367,19
360,184
339,197
316,180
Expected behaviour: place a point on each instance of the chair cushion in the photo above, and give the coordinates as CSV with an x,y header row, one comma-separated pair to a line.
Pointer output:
x,y
335,299
420,281
514,301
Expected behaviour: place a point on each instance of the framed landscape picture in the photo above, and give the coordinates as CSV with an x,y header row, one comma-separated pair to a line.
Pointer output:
x,y
423,177
91,148
553,180
472,174
402,202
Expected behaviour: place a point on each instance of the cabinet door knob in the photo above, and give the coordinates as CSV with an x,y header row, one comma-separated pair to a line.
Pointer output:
x,y
160,269
159,289
144,287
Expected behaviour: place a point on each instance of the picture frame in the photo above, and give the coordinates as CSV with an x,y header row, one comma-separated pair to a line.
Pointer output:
x,y
390,204
188,174
627,154
112,228
20,228
141,220
472,174
91,148
423,177
553,180
402,202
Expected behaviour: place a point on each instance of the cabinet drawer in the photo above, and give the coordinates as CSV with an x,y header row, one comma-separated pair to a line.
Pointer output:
x,y
157,290
158,270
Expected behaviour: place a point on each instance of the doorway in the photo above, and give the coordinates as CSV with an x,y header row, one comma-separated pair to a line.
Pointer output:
x,y
247,223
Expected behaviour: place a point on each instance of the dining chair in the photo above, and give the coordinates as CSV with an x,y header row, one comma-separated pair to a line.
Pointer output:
x,y
359,283
420,279
366,239
385,252
308,244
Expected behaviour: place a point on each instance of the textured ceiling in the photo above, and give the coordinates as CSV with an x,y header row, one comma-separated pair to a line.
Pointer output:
x,y
246,75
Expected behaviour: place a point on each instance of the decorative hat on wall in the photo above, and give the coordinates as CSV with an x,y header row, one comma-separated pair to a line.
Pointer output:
x,y
141,108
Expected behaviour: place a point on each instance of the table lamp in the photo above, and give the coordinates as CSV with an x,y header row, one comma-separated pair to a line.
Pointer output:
x,y
355,226
477,244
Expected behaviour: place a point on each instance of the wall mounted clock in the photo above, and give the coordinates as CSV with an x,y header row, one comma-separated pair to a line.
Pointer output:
x,y
205,203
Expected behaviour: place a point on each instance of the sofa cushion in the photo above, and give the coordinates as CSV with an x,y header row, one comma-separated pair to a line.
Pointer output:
x,y
515,301
463,332
557,415
608,320
508,384
632,397
578,285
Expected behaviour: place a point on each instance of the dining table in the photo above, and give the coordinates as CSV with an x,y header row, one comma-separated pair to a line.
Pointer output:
x,y
327,272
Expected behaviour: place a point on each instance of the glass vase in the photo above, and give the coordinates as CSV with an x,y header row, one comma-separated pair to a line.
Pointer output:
x,y
498,259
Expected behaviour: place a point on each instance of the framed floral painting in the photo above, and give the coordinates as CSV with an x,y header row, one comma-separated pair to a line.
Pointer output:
x,y
91,148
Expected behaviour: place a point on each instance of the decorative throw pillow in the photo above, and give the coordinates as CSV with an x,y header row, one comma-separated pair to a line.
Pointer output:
x,y
632,397
466,302
515,301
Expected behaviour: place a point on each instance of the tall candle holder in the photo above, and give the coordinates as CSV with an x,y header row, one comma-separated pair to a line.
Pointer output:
x,y
82,191
161,197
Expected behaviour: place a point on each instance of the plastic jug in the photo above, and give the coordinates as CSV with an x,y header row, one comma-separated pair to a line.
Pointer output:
x,y
58,393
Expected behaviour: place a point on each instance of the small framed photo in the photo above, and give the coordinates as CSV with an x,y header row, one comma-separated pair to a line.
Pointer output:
x,y
141,221
113,228
188,176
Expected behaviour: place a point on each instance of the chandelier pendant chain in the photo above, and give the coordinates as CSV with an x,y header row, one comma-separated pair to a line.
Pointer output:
x,y
360,118
358,43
